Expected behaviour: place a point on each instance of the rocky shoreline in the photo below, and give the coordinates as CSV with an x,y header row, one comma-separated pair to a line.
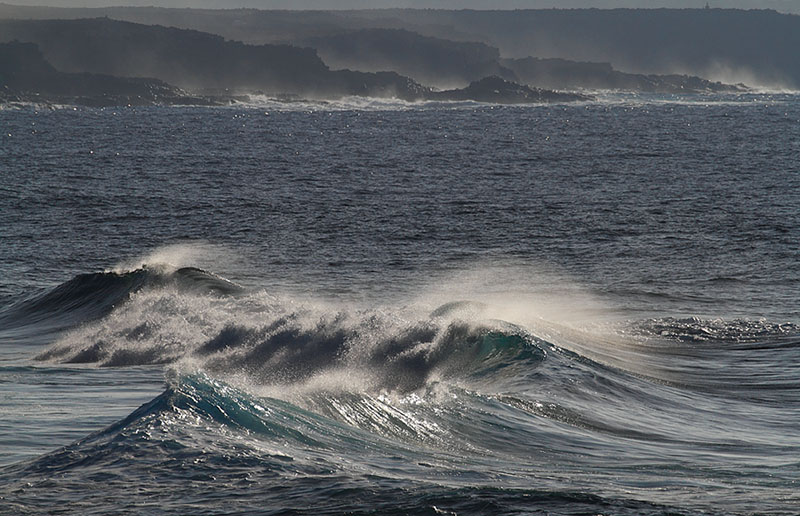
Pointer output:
x,y
26,77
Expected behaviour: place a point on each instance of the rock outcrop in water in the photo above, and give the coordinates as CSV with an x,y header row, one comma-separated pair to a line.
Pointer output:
x,y
434,61
500,91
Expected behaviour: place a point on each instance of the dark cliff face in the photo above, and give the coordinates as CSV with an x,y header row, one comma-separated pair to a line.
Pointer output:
x,y
725,44
572,75
718,44
195,60
26,75
188,59
92,50
432,61
20,61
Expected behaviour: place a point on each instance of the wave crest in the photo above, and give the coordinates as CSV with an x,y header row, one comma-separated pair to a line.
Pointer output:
x,y
274,341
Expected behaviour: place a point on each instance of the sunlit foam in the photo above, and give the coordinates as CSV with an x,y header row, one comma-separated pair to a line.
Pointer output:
x,y
170,257
292,345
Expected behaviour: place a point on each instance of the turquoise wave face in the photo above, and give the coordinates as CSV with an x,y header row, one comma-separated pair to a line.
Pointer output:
x,y
452,448
439,443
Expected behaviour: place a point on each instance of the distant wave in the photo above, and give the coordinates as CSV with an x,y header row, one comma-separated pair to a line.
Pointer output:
x,y
697,330
351,104
611,97
88,297
367,104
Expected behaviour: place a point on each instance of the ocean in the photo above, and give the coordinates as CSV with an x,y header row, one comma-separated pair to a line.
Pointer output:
x,y
375,307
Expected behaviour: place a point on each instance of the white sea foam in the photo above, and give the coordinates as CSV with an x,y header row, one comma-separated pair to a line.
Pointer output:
x,y
170,257
292,345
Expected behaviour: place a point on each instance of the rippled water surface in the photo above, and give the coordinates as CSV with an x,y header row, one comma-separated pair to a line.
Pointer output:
x,y
402,309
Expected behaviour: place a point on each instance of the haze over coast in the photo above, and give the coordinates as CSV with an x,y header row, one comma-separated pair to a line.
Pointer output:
x,y
523,56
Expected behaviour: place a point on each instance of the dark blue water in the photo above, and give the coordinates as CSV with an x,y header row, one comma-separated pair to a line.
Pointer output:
x,y
383,308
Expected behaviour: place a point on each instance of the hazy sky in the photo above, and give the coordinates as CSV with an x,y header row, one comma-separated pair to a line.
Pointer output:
x,y
781,5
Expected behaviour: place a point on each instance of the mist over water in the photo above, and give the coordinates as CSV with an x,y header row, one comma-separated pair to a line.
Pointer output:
x,y
402,308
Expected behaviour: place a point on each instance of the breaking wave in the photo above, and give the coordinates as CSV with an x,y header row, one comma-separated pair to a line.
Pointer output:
x,y
473,405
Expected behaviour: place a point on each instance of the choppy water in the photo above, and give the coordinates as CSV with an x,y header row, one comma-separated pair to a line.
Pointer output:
x,y
402,309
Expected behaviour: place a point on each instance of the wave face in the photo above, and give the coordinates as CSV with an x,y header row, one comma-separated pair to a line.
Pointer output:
x,y
284,402
257,453
437,308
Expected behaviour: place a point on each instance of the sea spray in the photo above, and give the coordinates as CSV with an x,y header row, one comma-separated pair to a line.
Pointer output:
x,y
628,343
